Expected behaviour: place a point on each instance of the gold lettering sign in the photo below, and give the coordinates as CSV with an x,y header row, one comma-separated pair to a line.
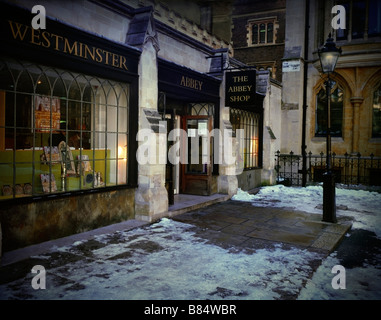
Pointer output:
x,y
191,83
240,88
56,42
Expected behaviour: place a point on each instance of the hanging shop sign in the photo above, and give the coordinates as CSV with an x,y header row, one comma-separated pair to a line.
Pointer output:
x,y
240,88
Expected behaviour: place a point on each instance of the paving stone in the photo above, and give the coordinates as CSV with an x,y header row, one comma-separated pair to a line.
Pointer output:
x,y
327,241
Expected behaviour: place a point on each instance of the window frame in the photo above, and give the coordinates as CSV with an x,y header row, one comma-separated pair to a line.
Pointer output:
x,y
42,72
348,35
251,122
322,88
252,35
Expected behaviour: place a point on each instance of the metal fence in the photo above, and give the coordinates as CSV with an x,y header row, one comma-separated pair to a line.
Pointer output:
x,y
349,169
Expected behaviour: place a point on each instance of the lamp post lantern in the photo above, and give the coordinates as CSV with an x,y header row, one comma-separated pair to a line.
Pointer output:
x,y
328,55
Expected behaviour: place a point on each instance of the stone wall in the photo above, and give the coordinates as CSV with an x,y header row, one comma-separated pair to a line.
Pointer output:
x,y
292,93
151,195
272,134
36,222
358,85
183,54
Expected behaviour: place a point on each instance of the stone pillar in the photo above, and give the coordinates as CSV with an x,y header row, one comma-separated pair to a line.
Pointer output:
x,y
227,180
151,198
356,102
292,93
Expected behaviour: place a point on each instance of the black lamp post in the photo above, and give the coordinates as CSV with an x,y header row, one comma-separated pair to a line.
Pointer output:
x,y
328,55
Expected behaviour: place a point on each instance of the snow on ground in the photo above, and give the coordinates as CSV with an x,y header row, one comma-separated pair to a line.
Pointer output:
x,y
176,264
362,282
179,266
363,206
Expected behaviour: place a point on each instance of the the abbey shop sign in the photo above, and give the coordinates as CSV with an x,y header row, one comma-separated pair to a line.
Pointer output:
x,y
240,88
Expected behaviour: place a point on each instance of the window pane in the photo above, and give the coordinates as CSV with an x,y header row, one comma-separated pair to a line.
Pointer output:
x,y
270,32
24,139
358,19
74,115
100,167
336,113
39,108
100,141
6,80
122,171
321,116
376,127
262,33
111,96
111,172
112,117
197,146
43,86
6,175
374,20
342,34
248,152
100,117
59,88
255,34
24,178
24,82
122,119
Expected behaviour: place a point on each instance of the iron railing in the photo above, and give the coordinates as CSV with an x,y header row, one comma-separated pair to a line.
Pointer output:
x,y
349,169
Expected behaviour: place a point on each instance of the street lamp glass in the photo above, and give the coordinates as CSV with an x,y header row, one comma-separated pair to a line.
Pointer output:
x,y
328,60
328,55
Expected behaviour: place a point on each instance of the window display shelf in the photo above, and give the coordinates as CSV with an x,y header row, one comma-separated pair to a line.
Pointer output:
x,y
93,171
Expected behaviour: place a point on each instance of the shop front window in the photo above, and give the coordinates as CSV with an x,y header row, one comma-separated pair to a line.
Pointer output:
x,y
60,131
249,122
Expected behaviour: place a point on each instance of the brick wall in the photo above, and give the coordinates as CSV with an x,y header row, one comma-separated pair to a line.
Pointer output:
x,y
263,55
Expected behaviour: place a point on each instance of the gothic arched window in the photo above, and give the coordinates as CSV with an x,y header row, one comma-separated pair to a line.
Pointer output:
x,y
376,113
337,99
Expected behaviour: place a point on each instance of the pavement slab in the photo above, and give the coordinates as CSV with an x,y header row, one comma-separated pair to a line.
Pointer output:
x,y
281,225
228,250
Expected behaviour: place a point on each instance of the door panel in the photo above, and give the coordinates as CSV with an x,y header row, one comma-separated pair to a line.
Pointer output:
x,y
196,174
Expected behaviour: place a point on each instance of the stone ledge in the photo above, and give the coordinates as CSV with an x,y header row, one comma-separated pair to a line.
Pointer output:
x,y
331,237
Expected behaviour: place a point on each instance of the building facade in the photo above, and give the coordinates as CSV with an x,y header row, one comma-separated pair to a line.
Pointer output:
x,y
355,102
94,105
258,34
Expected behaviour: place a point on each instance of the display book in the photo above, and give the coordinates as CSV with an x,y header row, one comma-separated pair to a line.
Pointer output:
x,y
19,189
62,154
57,155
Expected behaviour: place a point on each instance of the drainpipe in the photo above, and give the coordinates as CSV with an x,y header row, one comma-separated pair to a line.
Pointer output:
x,y
305,70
